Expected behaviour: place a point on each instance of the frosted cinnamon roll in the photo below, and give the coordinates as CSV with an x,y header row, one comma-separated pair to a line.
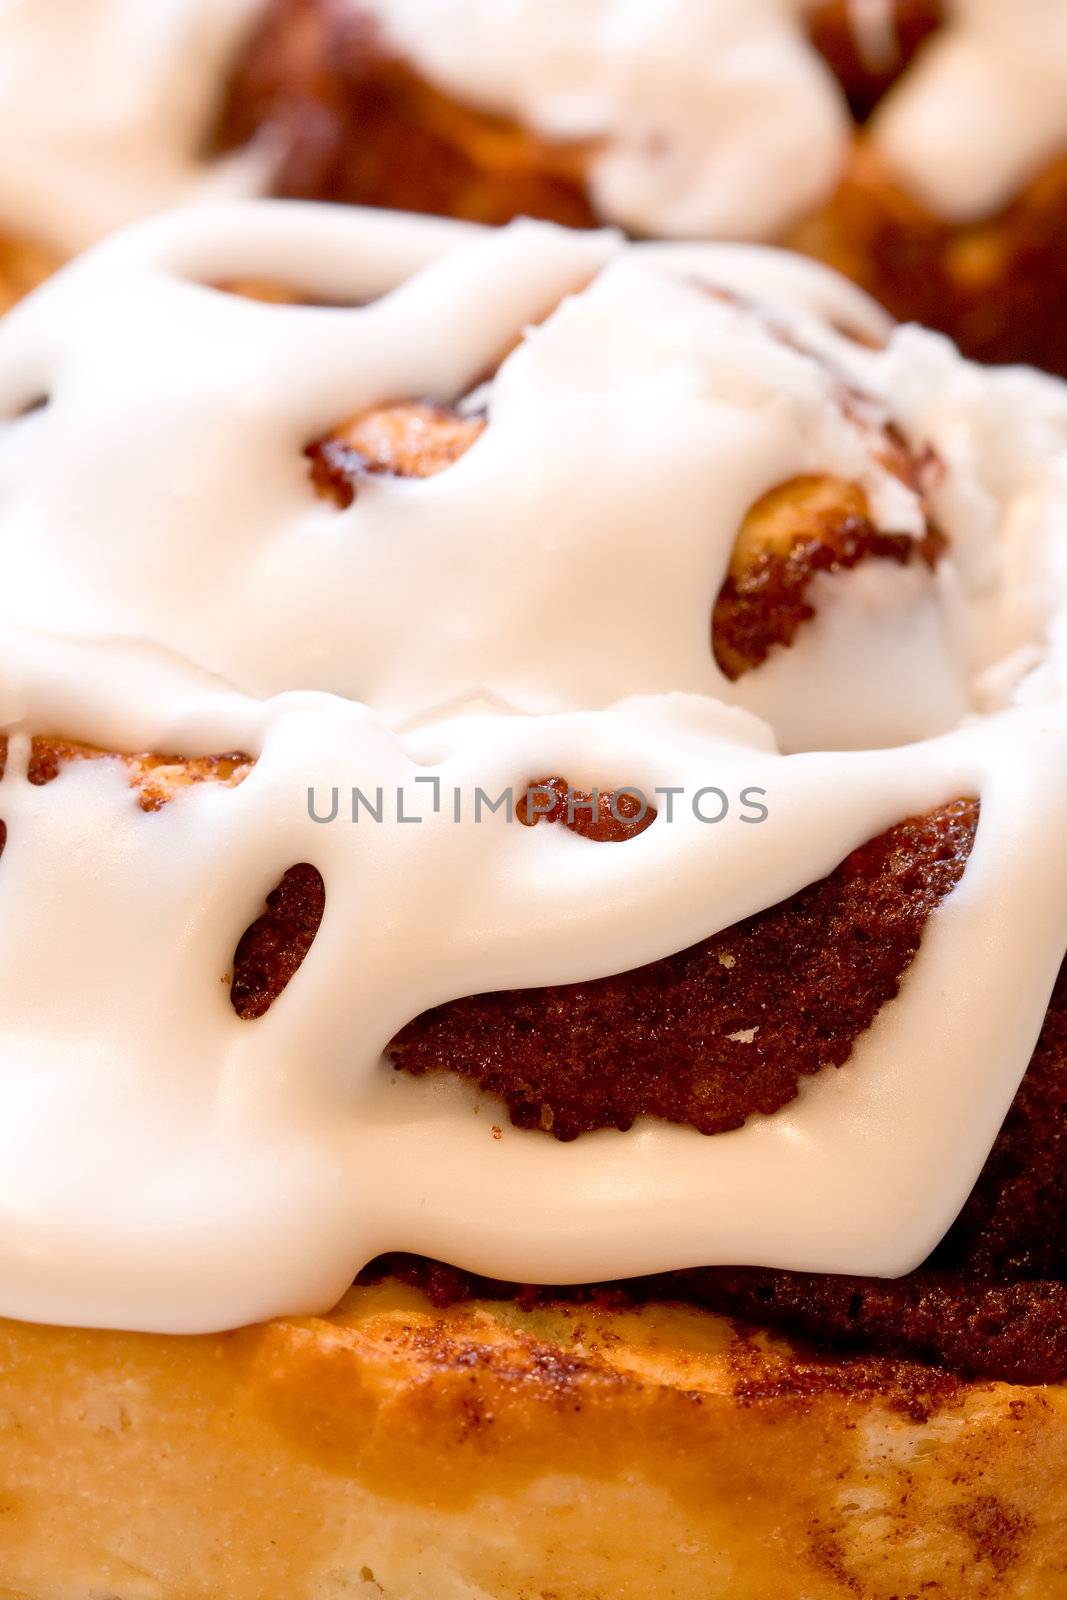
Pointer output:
x,y
532,827
917,145
106,110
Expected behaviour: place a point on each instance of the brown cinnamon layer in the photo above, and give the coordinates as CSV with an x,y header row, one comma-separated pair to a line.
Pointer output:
x,y
800,528
355,123
991,1301
719,1031
606,818
271,949
965,1326
1014,1226
998,287
705,1037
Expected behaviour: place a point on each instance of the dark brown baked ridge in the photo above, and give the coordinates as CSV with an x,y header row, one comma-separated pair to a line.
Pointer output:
x,y
991,1301
724,1029
1014,1225
355,123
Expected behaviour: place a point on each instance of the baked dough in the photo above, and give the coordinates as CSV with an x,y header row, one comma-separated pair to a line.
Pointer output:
x,y
22,267
569,1453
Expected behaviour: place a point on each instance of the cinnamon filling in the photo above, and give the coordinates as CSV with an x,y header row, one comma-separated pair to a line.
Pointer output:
x,y
720,1031
607,818
356,123
273,947
413,439
795,531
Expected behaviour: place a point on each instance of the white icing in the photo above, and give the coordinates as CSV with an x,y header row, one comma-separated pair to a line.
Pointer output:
x,y
722,120
873,24
704,408
703,119
165,1165
105,106
697,119
981,109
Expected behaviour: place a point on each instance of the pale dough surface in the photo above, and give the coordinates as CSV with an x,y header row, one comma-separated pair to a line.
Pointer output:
x,y
484,1453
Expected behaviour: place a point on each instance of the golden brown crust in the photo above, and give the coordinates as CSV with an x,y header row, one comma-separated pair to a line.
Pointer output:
x,y
23,265
485,1453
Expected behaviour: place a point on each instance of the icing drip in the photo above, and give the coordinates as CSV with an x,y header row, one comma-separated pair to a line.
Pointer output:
x,y
105,106
699,111
695,108
873,27
982,109
165,1164
642,401
168,1166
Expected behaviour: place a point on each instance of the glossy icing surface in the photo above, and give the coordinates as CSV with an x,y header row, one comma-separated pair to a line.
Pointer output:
x,y
171,583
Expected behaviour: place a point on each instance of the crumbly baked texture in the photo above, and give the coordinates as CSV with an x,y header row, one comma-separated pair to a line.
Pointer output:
x,y
991,1301
721,1030
484,1452
677,1039
705,1037
271,949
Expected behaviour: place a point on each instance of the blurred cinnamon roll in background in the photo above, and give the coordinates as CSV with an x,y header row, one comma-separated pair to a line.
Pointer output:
x,y
919,146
